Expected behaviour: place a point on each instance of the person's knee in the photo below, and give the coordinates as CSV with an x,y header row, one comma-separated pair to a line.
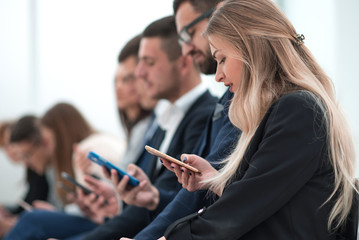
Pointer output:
x,y
27,226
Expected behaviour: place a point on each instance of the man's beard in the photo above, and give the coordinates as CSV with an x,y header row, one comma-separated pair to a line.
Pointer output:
x,y
209,66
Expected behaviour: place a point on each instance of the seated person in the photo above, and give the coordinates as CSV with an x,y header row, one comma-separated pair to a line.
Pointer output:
x,y
37,188
37,144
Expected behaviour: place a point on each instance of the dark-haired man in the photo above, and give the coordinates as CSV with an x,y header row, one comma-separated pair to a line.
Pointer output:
x,y
191,20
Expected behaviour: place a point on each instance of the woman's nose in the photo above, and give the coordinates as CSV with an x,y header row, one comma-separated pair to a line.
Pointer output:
x,y
219,76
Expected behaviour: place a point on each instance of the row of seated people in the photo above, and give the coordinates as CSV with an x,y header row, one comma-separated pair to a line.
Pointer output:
x,y
274,157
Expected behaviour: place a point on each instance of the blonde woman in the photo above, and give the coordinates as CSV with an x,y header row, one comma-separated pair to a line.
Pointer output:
x,y
291,175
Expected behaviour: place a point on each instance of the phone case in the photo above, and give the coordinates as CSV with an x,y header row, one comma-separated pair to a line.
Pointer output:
x,y
103,162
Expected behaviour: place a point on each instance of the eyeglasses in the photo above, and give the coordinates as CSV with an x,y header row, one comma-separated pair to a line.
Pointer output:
x,y
184,35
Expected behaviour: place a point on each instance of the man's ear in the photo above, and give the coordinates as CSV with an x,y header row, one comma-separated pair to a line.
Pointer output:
x,y
185,63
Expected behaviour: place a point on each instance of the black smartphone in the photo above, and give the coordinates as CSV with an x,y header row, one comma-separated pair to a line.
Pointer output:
x,y
73,181
76,183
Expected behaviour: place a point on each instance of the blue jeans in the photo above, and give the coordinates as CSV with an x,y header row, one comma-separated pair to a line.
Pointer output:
x,y
40,224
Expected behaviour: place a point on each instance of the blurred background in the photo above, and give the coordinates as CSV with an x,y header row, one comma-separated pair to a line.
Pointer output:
x,y
66,50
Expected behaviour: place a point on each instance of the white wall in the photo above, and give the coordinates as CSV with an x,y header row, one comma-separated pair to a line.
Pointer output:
x,y
14,84
347,63
66,50
331,28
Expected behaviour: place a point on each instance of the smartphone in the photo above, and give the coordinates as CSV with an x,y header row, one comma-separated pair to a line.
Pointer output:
x,y
103,162
159,154
25,205
73,181
65,188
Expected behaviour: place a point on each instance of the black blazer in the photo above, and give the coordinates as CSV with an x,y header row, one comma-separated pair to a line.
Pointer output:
x,y
134,219
280,186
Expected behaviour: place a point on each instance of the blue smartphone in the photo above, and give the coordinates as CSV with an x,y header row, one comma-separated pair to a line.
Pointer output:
x,y
103,162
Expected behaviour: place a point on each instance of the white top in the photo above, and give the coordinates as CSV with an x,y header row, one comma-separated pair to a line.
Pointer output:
x,y
52,198
135,142
107,146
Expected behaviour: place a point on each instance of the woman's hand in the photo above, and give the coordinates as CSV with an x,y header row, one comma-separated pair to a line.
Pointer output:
x,y
4,212
190,180
6,223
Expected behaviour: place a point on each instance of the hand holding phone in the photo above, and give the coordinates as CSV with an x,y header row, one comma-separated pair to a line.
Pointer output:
x,y
159,154
103,162
73,181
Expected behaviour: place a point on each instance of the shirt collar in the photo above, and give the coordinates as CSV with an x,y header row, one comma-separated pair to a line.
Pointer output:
x,y
186,101
175,112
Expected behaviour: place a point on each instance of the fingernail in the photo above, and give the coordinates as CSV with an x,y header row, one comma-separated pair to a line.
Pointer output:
x,y
184,159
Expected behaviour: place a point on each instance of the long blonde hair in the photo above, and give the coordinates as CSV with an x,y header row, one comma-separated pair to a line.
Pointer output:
x,y
273,65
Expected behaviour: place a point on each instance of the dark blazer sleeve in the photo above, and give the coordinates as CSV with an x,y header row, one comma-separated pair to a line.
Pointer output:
x,y
284,154
183,204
